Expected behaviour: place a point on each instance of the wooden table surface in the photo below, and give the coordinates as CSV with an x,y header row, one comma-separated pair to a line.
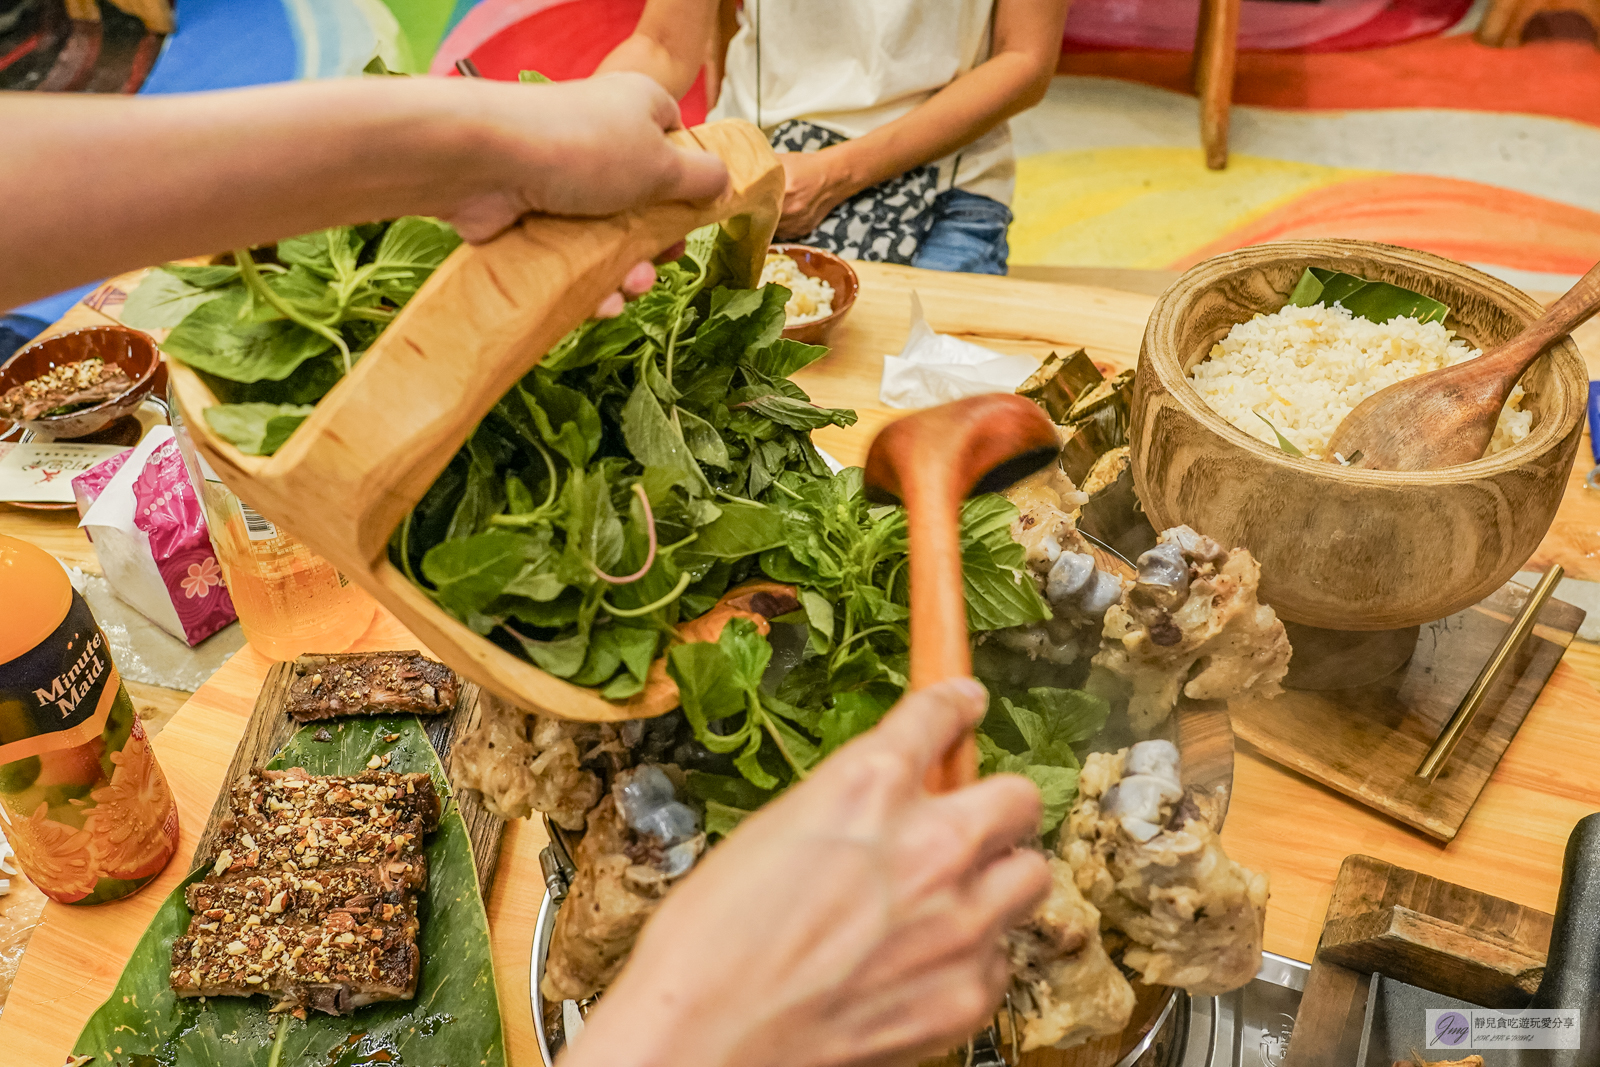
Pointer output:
x,y
1292,828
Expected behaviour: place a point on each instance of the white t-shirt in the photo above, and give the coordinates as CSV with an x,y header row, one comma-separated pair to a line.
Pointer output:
x,y
854,65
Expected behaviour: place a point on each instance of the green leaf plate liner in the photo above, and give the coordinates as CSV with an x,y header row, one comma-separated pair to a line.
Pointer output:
x,y
454,1019
1373,301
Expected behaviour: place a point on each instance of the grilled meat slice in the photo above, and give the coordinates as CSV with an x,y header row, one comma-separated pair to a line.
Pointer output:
x,y
370,683
281,797
311,897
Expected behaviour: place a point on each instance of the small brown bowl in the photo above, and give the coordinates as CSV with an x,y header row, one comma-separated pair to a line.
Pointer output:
x,y
815,263
129,349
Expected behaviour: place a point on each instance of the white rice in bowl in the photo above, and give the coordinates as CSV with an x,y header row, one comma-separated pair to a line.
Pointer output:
x,y
1304,368
810,298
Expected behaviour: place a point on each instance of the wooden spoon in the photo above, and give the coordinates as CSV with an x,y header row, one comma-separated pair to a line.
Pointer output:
x,y
932,461
1446,417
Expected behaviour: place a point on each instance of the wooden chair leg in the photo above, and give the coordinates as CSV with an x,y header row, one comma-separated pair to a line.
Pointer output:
x,y
1215,48
1505,21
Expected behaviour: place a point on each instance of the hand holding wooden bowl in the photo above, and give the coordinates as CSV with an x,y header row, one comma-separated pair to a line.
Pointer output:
x,y
1342,548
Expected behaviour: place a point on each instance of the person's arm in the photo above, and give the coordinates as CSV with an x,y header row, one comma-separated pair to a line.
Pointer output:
x,y
672,41
96,185
857,919
1023,58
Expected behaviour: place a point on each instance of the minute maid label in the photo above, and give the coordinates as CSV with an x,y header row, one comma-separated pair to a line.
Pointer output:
x,y
58,694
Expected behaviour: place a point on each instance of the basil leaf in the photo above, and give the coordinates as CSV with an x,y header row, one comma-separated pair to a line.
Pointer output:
x,y
213,338
705,684
163,299
257,429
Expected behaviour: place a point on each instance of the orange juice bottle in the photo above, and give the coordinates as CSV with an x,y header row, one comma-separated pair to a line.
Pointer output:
x,y
289,600
82,800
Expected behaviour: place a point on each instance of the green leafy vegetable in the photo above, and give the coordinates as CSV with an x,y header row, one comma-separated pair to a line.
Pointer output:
x,y
257,429
455,1017
1374,301
1049,723
625,479
1283,442
280,326
532,77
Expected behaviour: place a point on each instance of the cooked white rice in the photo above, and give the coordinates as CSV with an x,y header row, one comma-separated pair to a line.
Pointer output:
x,y
1304,368
810,298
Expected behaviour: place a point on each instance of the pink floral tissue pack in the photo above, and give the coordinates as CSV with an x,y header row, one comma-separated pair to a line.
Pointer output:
x,y
149,531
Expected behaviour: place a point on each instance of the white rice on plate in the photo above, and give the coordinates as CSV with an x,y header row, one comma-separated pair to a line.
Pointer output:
x,y
810,298
1304,368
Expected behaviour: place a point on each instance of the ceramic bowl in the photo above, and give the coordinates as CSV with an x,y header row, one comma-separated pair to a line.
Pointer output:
x,y
133,351
815,263
1340,548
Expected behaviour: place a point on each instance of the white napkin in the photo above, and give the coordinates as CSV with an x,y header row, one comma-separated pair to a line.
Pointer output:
x,y
935,368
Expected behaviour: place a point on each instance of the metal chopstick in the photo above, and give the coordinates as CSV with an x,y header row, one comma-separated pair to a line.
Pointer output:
x,y
1470,705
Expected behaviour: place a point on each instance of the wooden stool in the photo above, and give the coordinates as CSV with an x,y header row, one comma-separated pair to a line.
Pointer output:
x,y
1215,48
1506,19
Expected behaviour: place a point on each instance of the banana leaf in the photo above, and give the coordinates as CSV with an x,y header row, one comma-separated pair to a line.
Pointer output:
x,y
1373,301
454,1020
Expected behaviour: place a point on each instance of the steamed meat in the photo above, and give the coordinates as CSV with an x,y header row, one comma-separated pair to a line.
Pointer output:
x,y
1046,502
641,841
1063,567
1144,852
1065,987
1191,623
523,763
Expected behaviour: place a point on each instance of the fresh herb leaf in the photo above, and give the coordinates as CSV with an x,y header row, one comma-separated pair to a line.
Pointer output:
x,y
257,429
1283,442
1374,301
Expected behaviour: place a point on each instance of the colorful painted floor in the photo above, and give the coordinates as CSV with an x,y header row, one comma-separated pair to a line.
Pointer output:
x,y
1419,137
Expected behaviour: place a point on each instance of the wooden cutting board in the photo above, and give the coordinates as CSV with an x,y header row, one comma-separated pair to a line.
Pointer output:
x,y
269,727
1367,741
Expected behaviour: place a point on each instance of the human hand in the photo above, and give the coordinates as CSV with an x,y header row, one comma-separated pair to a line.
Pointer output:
x,y
855,920
636,282
814,184
590,147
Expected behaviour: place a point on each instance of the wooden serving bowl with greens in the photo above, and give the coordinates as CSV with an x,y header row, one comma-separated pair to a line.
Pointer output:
x,y
346,478
1343,548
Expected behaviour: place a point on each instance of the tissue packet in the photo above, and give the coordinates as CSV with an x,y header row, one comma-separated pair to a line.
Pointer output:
x,y
935,368
149,531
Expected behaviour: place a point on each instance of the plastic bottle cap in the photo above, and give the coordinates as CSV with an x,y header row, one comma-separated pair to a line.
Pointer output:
x,y
36,593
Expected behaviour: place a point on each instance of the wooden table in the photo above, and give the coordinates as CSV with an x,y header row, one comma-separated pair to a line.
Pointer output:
x,y
1297,831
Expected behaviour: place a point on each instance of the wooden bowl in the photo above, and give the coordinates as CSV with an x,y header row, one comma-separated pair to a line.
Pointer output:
x,y
1339,548
131,350
353,471
816,263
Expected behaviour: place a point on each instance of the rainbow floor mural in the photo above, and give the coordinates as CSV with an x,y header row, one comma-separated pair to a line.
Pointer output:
x,y
1379,119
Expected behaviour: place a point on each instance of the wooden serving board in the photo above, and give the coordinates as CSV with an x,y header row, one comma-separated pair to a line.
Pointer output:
x,y
1428,953
269,727
1367,742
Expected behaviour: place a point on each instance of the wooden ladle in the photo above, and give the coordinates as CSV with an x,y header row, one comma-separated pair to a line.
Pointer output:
x,y
1446,417
932,461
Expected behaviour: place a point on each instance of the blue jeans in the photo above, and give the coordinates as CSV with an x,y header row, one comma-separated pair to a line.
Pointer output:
x,y
968,234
